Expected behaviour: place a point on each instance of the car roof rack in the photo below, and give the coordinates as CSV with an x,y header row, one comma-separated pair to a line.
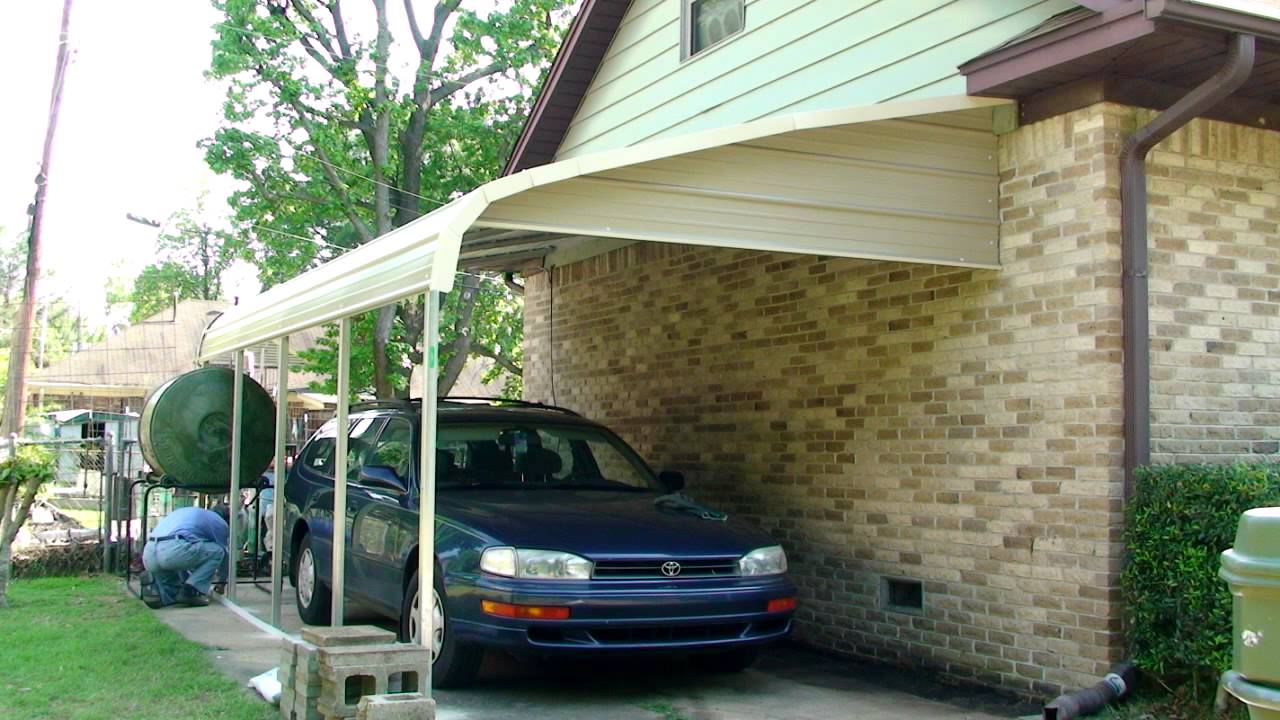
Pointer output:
x,y
413,403
393,403
499,401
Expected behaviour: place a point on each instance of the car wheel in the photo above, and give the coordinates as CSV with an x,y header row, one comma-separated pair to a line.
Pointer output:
x,y
727,661
454,663
312,595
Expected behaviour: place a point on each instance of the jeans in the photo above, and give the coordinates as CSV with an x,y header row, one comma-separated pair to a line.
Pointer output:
x,y
178,561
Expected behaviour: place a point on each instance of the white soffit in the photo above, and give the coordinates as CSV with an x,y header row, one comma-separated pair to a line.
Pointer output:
x,y
407,261
915,181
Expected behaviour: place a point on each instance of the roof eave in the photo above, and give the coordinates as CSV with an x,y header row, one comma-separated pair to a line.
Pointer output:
x,y
580,55
1119,24
1217,18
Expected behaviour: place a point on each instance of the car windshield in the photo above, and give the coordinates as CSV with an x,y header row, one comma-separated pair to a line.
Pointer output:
x,y
537,458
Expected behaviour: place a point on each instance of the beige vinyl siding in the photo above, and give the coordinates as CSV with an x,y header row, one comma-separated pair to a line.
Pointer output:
x,y
793,56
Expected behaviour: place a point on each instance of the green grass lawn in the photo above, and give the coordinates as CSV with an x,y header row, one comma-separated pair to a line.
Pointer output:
x,y
81,649
87,518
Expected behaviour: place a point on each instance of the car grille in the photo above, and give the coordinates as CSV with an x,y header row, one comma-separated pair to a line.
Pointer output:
x,y
652,569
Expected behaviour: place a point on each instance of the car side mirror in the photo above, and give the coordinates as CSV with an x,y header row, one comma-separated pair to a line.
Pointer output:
x,y
672,480
382,477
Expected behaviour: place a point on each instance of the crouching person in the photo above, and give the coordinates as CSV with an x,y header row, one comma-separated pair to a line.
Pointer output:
x,y
182,556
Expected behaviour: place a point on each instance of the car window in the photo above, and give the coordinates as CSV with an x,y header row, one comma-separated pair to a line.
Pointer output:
x,y
318,455
394,448
359,443
537,457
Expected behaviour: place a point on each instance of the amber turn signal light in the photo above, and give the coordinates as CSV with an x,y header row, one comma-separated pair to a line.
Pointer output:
x,y
525,612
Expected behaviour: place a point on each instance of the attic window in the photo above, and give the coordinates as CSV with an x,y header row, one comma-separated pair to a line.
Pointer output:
x,y
708,22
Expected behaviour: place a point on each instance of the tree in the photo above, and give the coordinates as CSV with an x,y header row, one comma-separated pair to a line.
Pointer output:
x,y
22,474
191,257
342,135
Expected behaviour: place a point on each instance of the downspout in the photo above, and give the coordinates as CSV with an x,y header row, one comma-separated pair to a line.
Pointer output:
x,y
1137,328
1133,232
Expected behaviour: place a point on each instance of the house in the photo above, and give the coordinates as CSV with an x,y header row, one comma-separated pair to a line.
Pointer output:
x,y
913,286
115,375
860,270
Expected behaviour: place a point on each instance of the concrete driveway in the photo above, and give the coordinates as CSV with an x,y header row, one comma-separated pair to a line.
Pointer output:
x,y
788,683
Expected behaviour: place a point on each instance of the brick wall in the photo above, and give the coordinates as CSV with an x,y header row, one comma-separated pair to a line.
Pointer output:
x,y
958,427
1215,293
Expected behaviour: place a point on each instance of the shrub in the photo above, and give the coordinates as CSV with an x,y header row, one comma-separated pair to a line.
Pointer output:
x,y
58,560
1180,519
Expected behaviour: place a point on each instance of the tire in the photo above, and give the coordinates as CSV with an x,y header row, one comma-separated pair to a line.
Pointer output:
x,y
313,596
454,664
725,661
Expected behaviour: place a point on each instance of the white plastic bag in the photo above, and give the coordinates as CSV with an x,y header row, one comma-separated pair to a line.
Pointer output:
x,y
267,685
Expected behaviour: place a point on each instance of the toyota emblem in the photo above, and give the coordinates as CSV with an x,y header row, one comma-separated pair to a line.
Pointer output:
x,y
670,568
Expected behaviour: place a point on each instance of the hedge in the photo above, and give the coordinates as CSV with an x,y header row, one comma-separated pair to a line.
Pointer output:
x,y
57,560
1180,519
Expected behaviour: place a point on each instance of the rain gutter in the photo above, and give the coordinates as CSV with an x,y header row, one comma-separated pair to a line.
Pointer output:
x,y
1133,227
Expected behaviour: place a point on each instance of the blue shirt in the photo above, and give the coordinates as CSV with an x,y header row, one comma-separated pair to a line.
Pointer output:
x,y
195,523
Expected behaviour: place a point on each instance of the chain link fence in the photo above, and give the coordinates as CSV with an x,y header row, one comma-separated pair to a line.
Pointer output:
x,y
81,519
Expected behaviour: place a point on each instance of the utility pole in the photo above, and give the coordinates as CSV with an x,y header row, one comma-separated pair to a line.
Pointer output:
x,y
15,405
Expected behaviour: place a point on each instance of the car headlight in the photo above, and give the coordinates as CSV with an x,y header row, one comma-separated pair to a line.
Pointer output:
x,y
763,561
535,564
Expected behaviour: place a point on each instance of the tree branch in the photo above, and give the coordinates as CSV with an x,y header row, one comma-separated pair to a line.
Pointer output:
x,y
461,344
450,87
335,182
318,31
507,363
24,509
340,28
418,40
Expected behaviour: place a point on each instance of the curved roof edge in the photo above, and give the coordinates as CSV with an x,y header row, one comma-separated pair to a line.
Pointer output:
x,y
423,255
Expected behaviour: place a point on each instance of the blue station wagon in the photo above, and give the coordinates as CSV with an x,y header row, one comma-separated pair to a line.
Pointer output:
x,y
552,536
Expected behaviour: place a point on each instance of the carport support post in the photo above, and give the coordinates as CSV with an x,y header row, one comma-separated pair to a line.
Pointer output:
x,y
339,545
233,504
427,479
277,492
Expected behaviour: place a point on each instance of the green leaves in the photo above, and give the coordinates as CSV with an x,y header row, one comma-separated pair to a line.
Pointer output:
x,y
1181,518
31,464
190,258
332,150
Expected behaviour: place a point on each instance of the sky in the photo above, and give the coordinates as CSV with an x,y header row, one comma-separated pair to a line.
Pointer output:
x,y
134,105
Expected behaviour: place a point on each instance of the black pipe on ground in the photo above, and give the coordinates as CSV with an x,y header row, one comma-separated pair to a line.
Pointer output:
x,y
1114,686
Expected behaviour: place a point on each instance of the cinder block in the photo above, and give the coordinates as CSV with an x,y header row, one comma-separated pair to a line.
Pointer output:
x,y
347,635
390,654
293,707
349,673
402,706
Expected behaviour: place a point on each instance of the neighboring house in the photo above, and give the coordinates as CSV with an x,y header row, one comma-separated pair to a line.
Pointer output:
x,y
116,374
882,316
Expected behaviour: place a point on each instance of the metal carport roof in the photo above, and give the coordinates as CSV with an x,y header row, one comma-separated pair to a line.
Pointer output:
x,y
912,181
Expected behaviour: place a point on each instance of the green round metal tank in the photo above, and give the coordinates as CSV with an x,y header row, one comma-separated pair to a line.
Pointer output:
x,y
185,429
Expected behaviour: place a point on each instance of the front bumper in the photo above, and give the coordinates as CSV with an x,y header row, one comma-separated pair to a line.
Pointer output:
x,y
623,616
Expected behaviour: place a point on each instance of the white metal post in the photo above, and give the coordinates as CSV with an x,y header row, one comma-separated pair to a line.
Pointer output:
x,y
340,473
427,479
277,491
237,417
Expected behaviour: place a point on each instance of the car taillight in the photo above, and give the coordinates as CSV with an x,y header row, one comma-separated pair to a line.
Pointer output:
x,y
781,605
524,612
